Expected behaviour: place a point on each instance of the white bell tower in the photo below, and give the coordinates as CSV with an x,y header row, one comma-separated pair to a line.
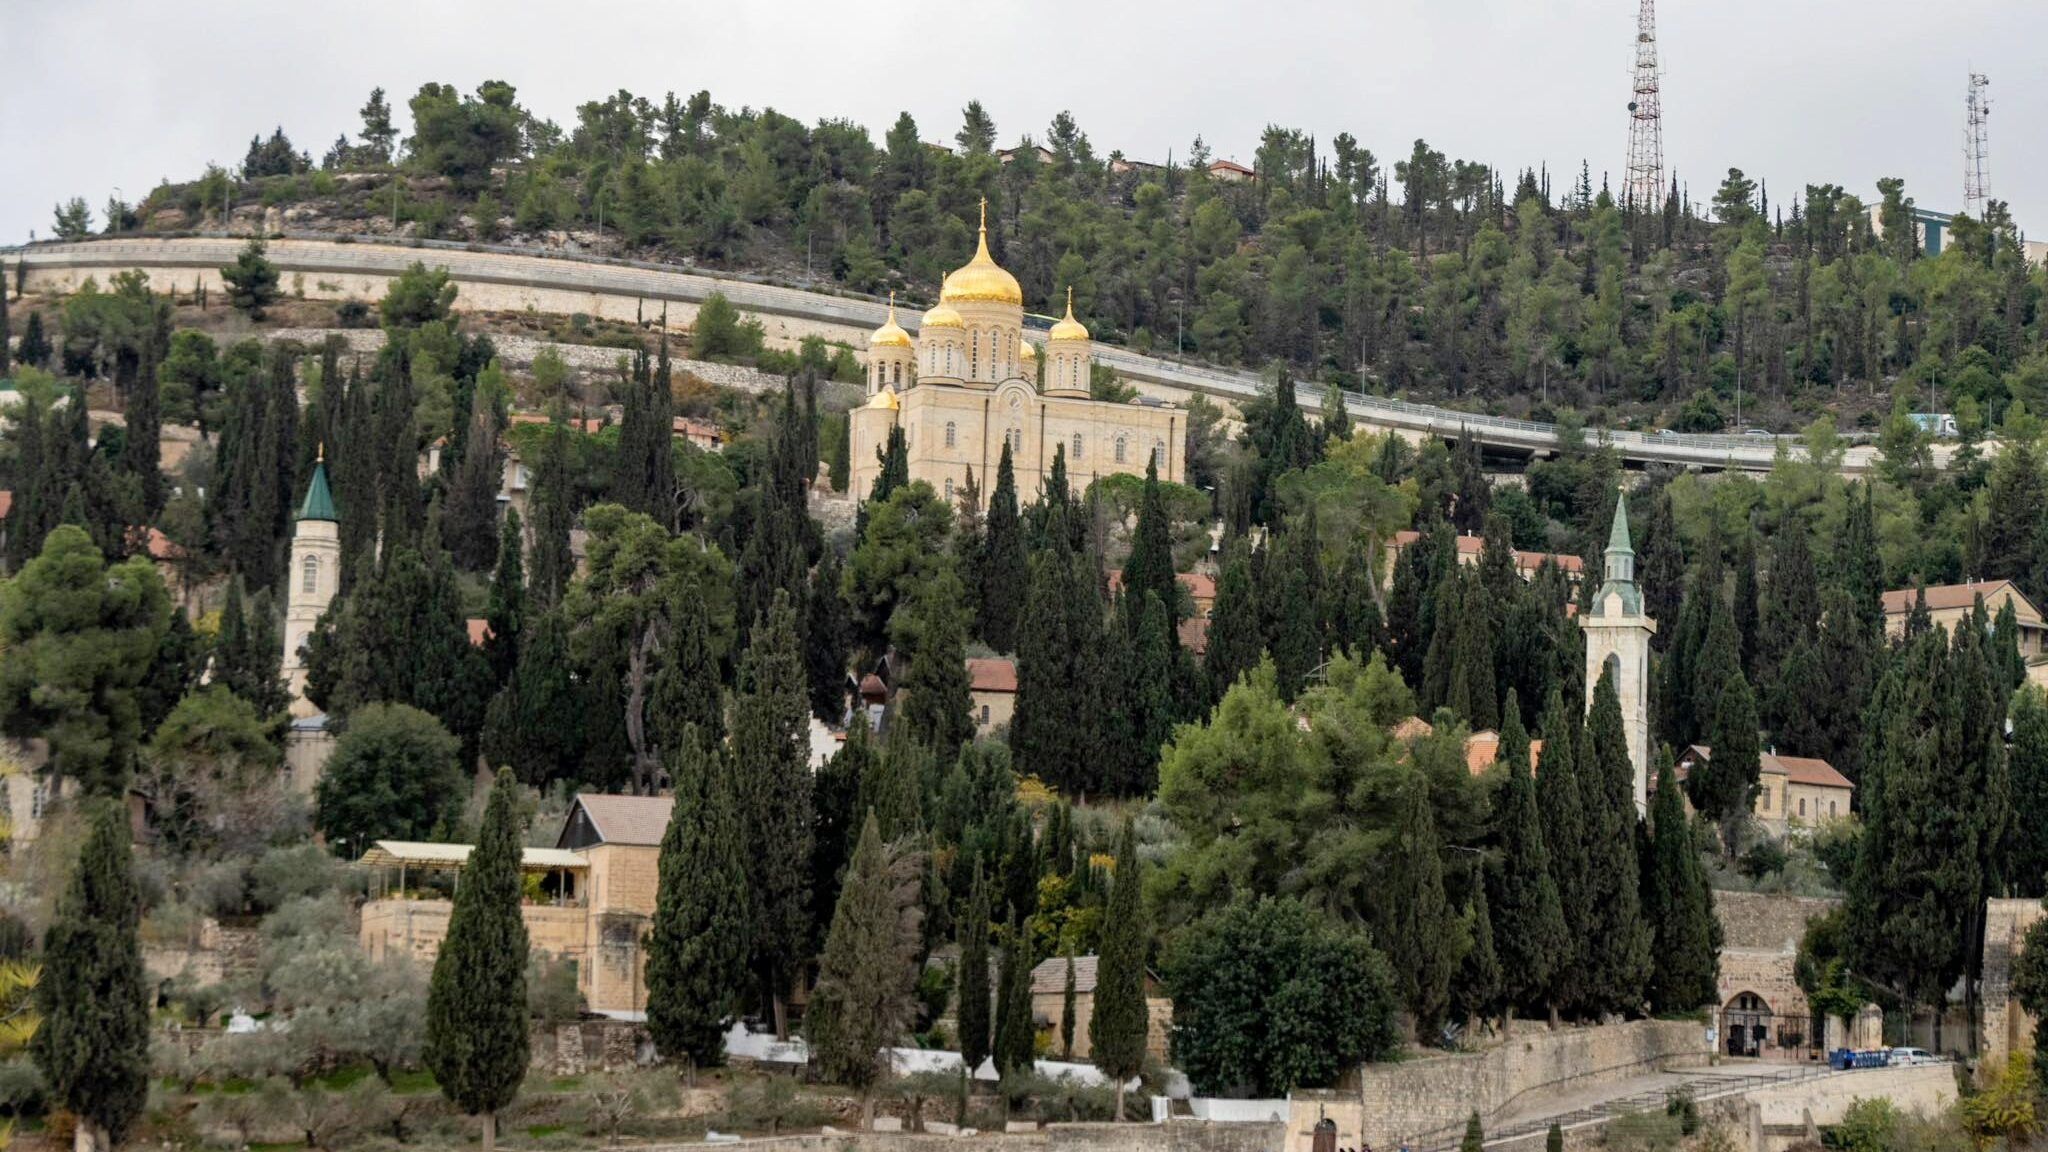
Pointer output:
x,y
1618,638
313,580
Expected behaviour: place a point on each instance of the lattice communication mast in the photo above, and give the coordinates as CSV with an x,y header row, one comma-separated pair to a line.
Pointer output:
x,y
1976,147
1645,189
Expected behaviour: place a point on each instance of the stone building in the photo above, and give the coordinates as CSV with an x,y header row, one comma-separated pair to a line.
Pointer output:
x,y
1792,791
1049,997
1950,604
991,693
1618,640
970,381
312,580
595,907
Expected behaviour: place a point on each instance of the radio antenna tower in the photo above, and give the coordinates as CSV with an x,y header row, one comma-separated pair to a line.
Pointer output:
x,y
1644,190
1976,146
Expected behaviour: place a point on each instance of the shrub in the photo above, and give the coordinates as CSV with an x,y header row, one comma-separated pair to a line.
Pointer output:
x,y
1765,858
282,875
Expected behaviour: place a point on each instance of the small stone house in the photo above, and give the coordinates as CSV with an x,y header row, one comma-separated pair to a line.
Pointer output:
x,y
1792,791
992,693
1048,1004
1949,604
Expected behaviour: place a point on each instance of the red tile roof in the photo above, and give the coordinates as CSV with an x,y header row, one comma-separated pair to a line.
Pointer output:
x,y
1526,561
985,675
1806,770
1199,585
1943,597
1230,166
479,631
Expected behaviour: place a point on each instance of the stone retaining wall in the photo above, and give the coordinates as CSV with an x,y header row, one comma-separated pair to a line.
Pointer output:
x,y
584,360
1172,1136
1434,1095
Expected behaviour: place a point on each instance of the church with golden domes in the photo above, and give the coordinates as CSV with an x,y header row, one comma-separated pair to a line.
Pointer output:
x,y
970,380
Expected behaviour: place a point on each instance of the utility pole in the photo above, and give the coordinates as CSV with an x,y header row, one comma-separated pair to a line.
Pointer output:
x,y
1643,191
1976,146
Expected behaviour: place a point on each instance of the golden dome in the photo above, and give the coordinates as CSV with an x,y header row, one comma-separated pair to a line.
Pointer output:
x,y
1025,351
890,334
942,317
981,279
885,399
1069,328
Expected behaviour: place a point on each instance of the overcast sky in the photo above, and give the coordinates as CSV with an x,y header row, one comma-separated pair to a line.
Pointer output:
x,y
104,95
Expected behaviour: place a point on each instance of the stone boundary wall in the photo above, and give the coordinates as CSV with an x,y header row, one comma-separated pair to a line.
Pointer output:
x,y
2006,1027
1171,1136
1434,1095
1754,920
584,360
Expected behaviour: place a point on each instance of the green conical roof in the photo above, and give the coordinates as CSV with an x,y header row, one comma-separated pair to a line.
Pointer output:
x,y
1617,539
319,503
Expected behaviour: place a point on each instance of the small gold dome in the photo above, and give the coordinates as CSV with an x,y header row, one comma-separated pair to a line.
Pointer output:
x,y
890,334
981,279
1025,351
1069,328
942,317
885,399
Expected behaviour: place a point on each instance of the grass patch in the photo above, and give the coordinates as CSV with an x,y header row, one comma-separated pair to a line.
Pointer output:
x,y
413,1082
541,1131
347,1077
566,1084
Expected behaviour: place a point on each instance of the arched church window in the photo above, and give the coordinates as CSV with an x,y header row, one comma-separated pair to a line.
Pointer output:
x,y
949,442
896,371
1159,455
973,355
1077,446
1119,449
949,489
309,582
1016,438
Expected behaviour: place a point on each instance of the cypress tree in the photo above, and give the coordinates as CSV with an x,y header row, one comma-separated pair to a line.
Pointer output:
x,y
535,724
1475,1136
1564,818
1005,569
92,1045
1355,622
1060,636
697,951
1480,977
1150,568
1233,625
1291,600
1409,599
933,700
1678,721
1148,708
141,449
1859,565
554,514
2026,849
1014,1036
771,761
1420,926
1745,610
476,1024
835,794
1791,604
1618,954
1529,932
1660,562
1472,691
889,787
1719,659
469,521
1553,1140
973,1007
35,343
1439,663
1724,787
827,636
1680,905
1119,1023
506,609
686,687
1067,1016
863,999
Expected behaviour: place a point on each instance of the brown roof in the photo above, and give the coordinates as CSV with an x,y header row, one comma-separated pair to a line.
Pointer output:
x,y
1051,976
1194,634
1483,748
1199,585
1524,561
627,819
991,675
1806,770
1413,728
479,631
1943,597
1229,166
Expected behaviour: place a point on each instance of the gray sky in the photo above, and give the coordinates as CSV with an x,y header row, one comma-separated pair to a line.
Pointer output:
x,y
104,95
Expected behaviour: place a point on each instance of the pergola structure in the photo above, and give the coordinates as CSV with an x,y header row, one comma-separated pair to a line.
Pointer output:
x,y
564,866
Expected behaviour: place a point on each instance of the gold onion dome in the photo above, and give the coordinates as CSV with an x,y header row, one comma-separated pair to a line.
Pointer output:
x,y
1025,350
981,280
1069,328
890,334
942,317
884,399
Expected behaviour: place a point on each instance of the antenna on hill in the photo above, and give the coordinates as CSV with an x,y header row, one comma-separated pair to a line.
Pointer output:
x,y
1644,190
1976,146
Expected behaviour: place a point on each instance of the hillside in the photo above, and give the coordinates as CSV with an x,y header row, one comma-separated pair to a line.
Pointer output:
x,y
1425,276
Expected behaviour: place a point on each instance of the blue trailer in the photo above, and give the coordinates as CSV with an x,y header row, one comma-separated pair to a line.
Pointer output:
x,y
1844,1059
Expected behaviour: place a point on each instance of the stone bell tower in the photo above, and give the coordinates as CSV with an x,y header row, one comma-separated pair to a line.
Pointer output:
x,y
1618,638
314,578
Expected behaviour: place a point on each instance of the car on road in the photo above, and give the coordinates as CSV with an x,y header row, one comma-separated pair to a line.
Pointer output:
x,y
1911,1056
1756,431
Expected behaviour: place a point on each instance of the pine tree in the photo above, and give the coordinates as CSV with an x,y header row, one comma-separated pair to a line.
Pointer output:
x,y
1565,818
1679,904
476,1025
697,951
1068,1020
554,514
1005,570
1014,1035
771,762
827,636
863,1002
1619,955
1119,1022
1528,920
1724,787
973,1005
92,1045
